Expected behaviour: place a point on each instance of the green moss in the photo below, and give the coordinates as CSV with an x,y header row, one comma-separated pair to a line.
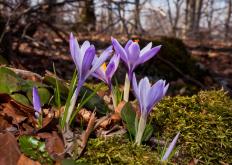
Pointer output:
x,y
204,121
117,151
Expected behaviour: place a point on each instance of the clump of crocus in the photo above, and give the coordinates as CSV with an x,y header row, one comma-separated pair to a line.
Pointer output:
x,y
106,72
37,106
86,63
147,97
132,56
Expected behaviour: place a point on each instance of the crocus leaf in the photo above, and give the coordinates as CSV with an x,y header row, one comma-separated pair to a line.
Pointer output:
x,y
147,132
128,116
9,82
95,102
20,98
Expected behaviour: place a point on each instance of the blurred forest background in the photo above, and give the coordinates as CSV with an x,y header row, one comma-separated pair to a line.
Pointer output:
x,y
195,34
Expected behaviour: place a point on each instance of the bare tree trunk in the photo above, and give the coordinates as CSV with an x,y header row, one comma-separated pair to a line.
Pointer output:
x,y
198,13
210,12
110,15
193,16
174,21
138,26
227,22
51,11
87,15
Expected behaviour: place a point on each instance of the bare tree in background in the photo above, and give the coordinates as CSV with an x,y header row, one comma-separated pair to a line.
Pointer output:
x,y
228,18
137,22
193,16
209,15
174,18
110,15
87,15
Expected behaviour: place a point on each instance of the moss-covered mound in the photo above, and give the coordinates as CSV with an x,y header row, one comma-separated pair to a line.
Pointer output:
x,y
205,123
118,151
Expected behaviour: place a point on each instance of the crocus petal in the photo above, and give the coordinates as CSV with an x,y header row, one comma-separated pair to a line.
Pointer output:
x,y
87,61
112,66
119,50
171,147
85,46
83,49
134,51
165,89
97,62
147,56
99,74
146,49
75,51
36,100
155,94
110,72
127,46
144,87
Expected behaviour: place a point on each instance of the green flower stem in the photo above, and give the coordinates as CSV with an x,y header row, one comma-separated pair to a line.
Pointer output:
x,y
114,99
40,120
126,89
141,128
73,102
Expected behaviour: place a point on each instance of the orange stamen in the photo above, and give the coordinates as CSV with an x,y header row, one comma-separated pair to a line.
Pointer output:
x,y
103,66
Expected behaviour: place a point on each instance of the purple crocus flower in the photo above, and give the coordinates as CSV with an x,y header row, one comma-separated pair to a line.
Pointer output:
x,y
132,55
36,102
105,73
84,56
148,95
170,147
86,63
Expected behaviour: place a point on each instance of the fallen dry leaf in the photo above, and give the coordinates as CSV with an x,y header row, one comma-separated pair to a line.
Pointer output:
x,y
9,151
55,146
193,161
3,123
119,107
23,160
84,115
10,111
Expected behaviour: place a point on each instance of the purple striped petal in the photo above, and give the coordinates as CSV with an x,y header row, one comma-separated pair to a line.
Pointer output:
x,y
147,56
155,94
144,87
165,89
127,46
146,48
99,61
119,50
75,51
84,47
99,74
36,100
87,61
171,147
112,66
133,52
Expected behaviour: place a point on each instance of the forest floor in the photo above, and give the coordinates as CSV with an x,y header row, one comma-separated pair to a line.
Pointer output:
x,y
215,56
39,54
